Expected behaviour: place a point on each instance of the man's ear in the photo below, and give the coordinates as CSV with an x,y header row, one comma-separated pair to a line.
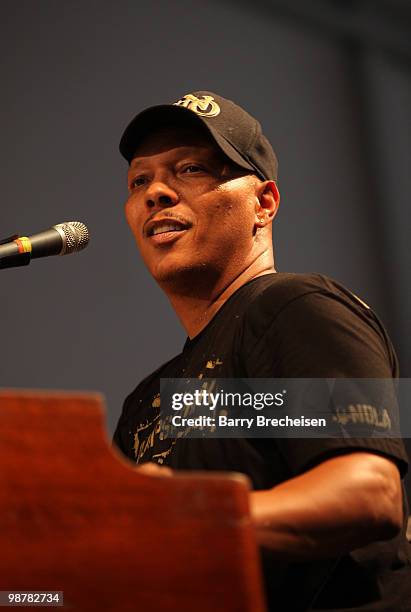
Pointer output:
x,y
268,200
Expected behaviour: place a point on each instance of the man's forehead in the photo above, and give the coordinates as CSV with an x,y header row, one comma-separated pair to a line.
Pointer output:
x,y
165,138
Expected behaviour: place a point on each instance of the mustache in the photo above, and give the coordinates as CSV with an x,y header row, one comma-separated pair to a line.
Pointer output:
x,y
166,215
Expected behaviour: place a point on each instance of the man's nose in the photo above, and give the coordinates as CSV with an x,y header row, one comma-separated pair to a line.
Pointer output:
x,y
159,194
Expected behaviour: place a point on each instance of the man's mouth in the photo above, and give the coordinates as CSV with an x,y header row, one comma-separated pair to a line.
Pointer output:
x,y
164,231
165,228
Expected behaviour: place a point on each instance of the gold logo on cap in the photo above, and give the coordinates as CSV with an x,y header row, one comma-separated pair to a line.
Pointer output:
x,y
205,106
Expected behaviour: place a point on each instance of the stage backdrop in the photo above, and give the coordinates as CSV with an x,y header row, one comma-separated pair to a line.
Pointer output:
x,y
330,86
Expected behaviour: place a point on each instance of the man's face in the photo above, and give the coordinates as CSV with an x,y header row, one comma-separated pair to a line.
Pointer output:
x,y
191,210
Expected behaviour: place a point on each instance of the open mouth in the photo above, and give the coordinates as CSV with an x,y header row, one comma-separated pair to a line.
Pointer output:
x,y
165,228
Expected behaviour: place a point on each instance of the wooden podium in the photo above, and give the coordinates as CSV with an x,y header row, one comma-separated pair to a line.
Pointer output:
x,y
75,517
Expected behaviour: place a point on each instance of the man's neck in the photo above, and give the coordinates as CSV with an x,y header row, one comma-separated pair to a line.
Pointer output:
x,y
195,311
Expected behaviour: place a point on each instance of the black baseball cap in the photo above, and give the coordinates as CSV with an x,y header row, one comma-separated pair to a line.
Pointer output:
x,y
234,130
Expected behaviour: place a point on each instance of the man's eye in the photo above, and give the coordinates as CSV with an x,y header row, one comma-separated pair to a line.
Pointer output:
x,y
191,168
137,181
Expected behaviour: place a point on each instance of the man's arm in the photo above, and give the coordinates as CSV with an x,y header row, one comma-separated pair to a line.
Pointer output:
x,y
341,504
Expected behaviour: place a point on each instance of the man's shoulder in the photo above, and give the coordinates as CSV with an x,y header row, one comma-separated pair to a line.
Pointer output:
x,y
275,292
284,300
320,321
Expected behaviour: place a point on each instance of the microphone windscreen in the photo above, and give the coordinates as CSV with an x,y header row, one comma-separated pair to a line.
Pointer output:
x,y
75,236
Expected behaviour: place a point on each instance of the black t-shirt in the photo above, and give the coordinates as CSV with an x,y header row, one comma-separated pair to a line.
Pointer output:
x,y
285,326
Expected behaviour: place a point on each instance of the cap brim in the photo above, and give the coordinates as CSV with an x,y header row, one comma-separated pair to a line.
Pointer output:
x,y
170,114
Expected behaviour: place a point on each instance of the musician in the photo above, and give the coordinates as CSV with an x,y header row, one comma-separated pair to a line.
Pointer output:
x,y
329,513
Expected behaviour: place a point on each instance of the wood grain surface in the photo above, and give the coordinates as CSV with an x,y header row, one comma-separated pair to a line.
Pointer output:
x,y
76,517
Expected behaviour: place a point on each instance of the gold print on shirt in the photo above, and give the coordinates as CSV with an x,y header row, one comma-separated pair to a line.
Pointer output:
x,y
160,428
141,446
156,401
212,363
159,432
161,456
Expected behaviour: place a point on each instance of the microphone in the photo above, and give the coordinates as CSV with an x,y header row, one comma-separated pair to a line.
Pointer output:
x,y
61,239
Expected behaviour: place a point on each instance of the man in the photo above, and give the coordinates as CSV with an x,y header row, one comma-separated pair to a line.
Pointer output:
x,y
329,513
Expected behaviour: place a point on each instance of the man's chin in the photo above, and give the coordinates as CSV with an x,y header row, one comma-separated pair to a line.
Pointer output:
x,y
172,273
183,277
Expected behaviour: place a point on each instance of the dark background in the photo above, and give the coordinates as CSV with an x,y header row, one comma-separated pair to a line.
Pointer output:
x,y
330,83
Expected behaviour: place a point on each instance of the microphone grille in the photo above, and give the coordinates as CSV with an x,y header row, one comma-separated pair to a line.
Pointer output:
x,y
75,236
